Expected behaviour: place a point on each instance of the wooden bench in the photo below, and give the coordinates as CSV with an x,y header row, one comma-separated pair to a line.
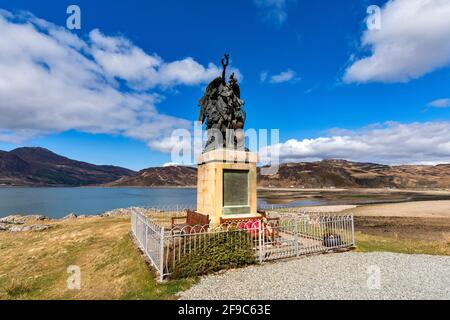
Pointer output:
x,y
237,220
272,221
192,219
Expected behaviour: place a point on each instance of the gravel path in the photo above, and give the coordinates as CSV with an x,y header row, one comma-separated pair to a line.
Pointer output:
x,y
333,276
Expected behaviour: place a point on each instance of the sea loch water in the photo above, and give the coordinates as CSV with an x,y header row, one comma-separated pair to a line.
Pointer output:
x,y
58,202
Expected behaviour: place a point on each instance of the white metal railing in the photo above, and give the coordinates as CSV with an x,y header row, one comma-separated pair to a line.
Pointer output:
x,y
271,239
150,238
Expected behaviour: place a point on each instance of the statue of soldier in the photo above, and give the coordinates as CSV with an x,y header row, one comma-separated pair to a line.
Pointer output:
x,y
222,108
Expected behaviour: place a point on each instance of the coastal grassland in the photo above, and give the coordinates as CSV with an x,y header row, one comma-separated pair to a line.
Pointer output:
x,y
373,243
414,235
34,264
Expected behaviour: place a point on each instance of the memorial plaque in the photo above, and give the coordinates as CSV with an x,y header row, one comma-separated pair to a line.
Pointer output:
x,y
235,188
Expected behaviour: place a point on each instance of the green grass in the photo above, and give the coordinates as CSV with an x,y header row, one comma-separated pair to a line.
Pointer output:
x,y
16,289
371,243
34,264
143,286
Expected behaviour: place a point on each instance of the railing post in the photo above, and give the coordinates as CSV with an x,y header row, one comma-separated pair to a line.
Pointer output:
x,y
260,234
146,231
353,231
296,237
161,256
133,215
132,221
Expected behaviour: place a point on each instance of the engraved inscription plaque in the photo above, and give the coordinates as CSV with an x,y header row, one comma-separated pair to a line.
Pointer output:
x,y
235,191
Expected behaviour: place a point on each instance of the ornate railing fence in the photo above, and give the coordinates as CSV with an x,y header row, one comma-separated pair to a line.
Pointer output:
x,y
287,236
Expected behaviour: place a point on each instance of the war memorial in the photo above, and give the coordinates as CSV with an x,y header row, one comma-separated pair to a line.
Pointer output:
x,y
226,187
227,229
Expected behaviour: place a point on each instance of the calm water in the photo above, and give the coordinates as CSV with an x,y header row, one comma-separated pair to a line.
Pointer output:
x,y
58,202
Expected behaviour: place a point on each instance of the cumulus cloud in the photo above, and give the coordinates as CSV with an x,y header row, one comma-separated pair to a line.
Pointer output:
x,y
440,103
389,143
173,164
414,39
51,81
274,11
285,76
121,59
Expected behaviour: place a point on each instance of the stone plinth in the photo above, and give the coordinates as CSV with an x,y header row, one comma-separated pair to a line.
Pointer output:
x,y
226,184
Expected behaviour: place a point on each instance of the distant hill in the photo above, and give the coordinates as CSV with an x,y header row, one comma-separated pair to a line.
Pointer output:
x,y
320,174
41,167
341,173
173,176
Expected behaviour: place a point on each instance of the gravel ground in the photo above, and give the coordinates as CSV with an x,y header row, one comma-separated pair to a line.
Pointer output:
x,y
333,276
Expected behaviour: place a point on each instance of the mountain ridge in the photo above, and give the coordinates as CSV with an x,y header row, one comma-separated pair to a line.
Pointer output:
x,y
170,176
35,166
348,174
332,173
42,167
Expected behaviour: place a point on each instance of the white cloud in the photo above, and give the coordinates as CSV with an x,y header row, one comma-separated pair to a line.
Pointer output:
x,y
285,76
172,164
414,40
121,59
390,143
274,11
263,76
52,81
440,103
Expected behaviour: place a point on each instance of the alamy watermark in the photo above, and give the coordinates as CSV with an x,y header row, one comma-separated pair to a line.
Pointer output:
x,y
374,277
373,20
188,145
73,22
74,279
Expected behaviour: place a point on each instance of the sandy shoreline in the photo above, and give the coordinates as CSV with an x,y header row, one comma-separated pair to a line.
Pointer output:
x,y
366,190
417,209
414,209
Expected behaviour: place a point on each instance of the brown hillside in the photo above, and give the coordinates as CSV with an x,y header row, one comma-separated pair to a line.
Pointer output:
x,y
174,176
321,174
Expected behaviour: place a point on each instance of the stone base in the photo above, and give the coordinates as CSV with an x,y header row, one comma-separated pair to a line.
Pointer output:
x,y
226,185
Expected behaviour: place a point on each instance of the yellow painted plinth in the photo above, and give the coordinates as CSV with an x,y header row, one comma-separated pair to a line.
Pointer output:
x,y
210,189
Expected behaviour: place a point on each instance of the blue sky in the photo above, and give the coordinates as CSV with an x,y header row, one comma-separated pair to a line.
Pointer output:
x,y
302,66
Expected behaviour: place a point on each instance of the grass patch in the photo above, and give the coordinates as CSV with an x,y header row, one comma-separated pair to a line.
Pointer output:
x,y
34,264
372,243
17,288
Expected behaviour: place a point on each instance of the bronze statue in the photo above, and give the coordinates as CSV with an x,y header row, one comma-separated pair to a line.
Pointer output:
x,y
222,108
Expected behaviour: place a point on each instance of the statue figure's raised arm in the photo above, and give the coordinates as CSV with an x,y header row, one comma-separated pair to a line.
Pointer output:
x,y
225,62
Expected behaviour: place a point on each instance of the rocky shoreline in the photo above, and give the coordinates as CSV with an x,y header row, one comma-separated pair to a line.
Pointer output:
x,y
23,223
